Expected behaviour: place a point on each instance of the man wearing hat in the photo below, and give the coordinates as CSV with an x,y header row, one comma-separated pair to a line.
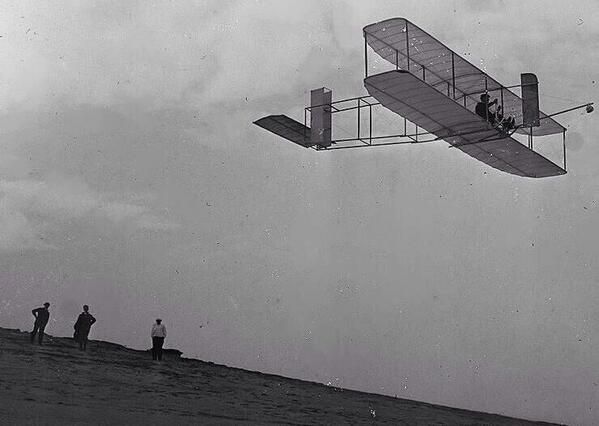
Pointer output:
x,y
158,335
42,315
82,327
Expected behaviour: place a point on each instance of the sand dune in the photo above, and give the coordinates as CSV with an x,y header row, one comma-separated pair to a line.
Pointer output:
x,y
111,384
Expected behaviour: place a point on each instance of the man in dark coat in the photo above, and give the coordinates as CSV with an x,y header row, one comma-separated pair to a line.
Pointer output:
x,y
82,327
42,315
483,109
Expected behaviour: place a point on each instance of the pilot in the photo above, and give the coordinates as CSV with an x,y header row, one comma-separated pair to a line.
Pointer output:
x,y
483,109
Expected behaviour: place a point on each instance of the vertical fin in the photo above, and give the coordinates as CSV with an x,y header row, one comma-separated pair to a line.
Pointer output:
x,y
320,116
530,100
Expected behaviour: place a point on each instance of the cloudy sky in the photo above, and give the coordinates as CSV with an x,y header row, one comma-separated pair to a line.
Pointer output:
x,y
132,179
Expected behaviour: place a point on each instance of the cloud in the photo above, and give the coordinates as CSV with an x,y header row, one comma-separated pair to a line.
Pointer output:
x,y
30,208
17,232
118,212
89,53
153,223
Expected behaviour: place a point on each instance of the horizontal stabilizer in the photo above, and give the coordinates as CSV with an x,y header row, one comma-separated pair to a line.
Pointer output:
x,y
287,128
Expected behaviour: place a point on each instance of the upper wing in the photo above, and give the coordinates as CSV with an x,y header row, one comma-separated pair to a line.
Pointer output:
x,y
410,97
410,48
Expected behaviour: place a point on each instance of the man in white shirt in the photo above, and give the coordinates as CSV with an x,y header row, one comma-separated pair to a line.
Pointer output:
x,y
158,335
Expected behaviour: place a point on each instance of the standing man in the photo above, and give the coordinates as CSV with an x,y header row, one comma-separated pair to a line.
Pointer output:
x,y
42,315
158,335
83,326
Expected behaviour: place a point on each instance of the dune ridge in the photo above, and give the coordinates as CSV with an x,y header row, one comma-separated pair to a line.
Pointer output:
x,y
112,384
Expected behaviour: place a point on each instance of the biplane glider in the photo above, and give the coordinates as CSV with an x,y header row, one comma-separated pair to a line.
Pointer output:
x,y
440,94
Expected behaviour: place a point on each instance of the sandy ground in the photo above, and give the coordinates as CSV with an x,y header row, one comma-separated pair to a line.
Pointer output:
x,y
111,384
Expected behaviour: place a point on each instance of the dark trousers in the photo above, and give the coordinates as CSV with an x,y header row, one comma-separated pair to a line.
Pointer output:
x,y
82,338
157,343
38,328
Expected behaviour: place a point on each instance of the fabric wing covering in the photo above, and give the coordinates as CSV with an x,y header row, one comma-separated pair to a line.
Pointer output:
x,y
410,97
397,39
